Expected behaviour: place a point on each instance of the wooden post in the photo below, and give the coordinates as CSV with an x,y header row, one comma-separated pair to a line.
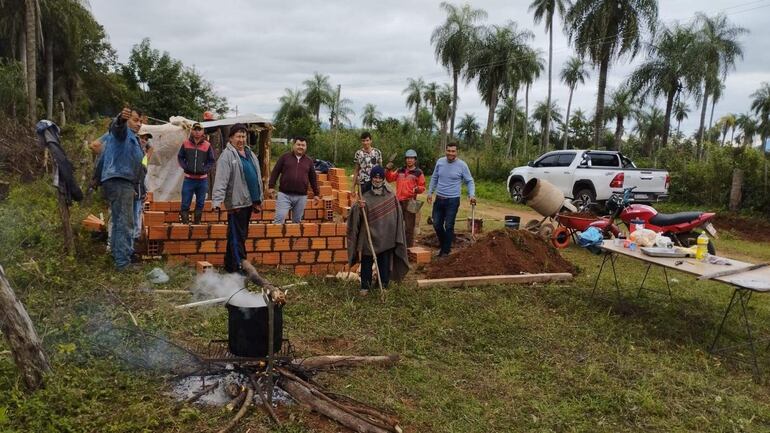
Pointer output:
x,y
69,237
736,189
19,332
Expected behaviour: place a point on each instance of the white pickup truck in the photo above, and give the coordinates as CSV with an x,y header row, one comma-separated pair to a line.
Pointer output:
x,y
591,176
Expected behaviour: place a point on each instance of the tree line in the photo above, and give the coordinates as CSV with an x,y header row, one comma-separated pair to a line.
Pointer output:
x,y
55,59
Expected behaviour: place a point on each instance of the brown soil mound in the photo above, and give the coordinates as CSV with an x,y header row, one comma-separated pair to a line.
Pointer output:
x,y
502,252
461,240
754,229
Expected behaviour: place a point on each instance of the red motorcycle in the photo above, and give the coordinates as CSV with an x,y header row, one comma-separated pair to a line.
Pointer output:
x,y
680,227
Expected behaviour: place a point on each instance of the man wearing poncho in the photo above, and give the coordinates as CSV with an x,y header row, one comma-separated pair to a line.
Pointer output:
x,y
386,224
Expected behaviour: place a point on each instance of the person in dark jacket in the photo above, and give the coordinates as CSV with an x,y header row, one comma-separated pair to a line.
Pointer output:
x,y
296,171
238,186
196,156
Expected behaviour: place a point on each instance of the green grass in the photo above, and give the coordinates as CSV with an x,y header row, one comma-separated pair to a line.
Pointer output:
x,y
493,359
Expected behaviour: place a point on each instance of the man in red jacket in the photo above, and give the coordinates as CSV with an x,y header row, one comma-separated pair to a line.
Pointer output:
x,y
296,171
410,181
196,156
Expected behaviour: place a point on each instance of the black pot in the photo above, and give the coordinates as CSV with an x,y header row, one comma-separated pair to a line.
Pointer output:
x,y
247,330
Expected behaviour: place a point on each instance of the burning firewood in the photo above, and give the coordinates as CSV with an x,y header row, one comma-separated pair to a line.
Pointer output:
x,y
241,412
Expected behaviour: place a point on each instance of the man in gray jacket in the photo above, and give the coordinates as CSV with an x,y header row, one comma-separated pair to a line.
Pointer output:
x,y
239,185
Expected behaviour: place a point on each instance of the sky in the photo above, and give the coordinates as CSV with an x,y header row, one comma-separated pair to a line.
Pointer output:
x,y
253,51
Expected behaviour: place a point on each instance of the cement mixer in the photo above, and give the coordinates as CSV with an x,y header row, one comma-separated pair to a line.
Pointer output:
x,y
547,200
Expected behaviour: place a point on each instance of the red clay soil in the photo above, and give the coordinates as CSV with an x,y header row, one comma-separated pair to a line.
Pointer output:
x,y
502,252
753,229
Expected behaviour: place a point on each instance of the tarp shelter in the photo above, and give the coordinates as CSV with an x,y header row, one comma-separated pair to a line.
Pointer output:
x,y
164,176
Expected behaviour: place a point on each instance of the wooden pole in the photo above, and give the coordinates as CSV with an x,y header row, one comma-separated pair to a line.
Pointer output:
x,y
64,211
19,332
374,254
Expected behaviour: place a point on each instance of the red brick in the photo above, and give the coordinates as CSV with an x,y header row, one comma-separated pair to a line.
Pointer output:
x,y
324,256
257,231
419,255
309,229
170,247
179,231
210,217
263,245
268,204
335,243
218,231
300,244
318,243
327,229
292,230
171,217
302,270
319,269
188,247
158,233
271,258
248,245
267,216
199,231
282,244
289,258
322,177
342,229
203,266
216,259
151,218
255,258
274,230
174,205
307,257
340,256
221,246
208,246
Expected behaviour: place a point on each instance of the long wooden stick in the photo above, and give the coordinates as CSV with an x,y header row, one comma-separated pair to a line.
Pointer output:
x,y
732,271
376,265
241,413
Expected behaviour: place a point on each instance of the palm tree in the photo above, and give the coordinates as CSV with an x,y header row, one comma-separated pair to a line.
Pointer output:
x,y
531,65
681,110
716,95
604,30
414,92
621,108
443,113
574,73
290,108
718,49
370,116
546,9
726,123
649,126
318,92
492,63
760,104
429,96
453,41
749,127
543,114
671,61
468,129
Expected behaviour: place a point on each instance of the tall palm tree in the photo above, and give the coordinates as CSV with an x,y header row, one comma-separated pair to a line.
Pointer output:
x,y
453,41
443,113
531,65
370,116
760,104
318,92
670,62
748,126
492,63
414,93
468,129
32,30
681,110
545,9
621,108
574,73
604,30
726,123
649,126
716,95
718,48
429,96
290,108
543,114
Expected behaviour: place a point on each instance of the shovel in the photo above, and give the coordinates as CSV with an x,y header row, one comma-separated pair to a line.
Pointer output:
x,y
473,223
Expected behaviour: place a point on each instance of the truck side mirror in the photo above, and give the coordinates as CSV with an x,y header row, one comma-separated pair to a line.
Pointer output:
x,y
531,163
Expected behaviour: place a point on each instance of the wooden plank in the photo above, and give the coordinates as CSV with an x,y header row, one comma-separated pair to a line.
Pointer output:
x,y
494,279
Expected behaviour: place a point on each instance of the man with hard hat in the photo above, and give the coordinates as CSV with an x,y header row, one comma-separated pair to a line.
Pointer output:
x,y
410,181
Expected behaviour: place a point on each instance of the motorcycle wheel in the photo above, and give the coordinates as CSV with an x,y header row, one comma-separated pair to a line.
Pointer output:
x,y
691,239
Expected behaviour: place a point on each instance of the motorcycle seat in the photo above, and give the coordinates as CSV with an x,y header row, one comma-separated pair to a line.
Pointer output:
x,y
663,219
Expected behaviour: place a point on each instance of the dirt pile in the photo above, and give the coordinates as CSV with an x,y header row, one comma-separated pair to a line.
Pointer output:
x,y
753,229
461,240
502,252
20,155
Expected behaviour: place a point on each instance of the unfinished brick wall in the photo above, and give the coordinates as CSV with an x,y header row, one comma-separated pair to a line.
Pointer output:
x,y
316,246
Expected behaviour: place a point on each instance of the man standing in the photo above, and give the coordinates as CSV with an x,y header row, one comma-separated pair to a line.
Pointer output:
x,y
365,158
121,168
196,156
386,226
448,176
410,181
296,171
239,186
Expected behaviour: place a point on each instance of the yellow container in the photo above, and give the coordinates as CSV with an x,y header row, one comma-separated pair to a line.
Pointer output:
x,y
702,246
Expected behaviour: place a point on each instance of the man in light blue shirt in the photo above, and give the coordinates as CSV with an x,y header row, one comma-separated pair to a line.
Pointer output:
x,y
447,179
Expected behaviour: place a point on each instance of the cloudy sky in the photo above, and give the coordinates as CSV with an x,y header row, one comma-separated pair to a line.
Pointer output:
x,y
252,51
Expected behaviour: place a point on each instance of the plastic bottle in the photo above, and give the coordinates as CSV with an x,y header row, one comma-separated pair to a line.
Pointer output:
x,y
702,246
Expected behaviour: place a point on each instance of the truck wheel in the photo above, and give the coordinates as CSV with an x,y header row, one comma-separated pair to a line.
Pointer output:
x,y
584,198
517,191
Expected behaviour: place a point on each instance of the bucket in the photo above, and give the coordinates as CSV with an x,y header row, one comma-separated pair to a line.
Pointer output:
x,y
247,330
512,221
479,225
543,197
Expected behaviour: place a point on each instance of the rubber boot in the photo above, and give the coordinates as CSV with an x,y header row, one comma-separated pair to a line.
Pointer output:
x,y
197,216
184,215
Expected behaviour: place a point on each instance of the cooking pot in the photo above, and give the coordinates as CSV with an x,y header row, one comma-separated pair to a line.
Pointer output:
x,y
248,330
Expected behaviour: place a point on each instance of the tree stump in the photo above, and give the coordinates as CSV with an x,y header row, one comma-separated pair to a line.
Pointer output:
x,y
736,190
17,327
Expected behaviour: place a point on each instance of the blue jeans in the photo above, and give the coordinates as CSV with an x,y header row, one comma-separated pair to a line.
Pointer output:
x,y
444,214
199,187
120,194
138,209
289,202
